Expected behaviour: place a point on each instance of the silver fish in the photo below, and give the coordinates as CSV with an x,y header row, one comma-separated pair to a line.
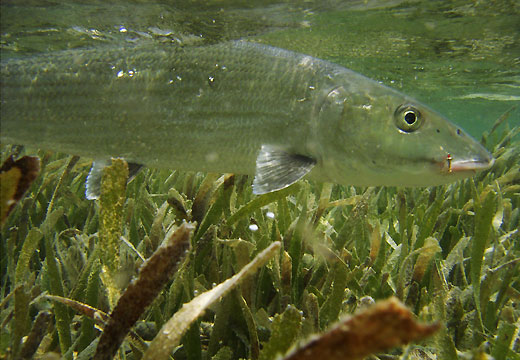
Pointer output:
x,y
237,107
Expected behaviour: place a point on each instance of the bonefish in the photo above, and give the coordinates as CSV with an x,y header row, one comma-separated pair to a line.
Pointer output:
x,y
236,107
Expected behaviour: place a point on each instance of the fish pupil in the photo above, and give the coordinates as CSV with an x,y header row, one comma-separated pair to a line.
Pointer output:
x,y
410,117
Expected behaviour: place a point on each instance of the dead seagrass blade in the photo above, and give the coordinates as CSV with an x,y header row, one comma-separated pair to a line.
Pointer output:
x,y
383,326
171,333
154,274
16,176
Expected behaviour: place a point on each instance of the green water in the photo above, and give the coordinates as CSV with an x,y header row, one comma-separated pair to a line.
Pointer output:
x,y
460,57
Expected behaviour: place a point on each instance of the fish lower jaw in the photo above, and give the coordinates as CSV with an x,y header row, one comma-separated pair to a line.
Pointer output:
x,y
473,165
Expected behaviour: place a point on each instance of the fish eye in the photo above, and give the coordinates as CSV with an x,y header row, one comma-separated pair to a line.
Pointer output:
x,y
407,118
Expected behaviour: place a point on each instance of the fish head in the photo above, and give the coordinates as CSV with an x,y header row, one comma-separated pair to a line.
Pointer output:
x,y
378,136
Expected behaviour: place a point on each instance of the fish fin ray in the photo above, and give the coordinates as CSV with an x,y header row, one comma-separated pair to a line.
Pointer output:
x,y
276,169
93,184
133,170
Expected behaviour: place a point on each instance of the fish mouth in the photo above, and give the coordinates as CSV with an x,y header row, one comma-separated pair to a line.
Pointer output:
x,y
476,164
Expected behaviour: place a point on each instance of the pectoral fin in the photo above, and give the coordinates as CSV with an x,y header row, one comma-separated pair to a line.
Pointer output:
x,y
276,169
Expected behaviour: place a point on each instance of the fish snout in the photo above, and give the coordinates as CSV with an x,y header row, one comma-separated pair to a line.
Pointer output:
x,y
476,163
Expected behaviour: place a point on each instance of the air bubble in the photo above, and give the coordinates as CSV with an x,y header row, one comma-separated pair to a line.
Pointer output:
x,y
211,157
253,227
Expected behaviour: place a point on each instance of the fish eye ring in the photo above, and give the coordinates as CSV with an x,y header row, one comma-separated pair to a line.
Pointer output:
x,y
407,118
